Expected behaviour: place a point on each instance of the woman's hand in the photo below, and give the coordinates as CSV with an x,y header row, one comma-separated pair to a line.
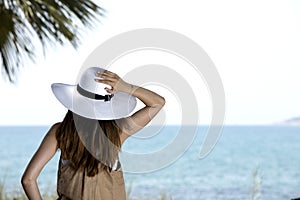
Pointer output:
x,y
153,103
116,83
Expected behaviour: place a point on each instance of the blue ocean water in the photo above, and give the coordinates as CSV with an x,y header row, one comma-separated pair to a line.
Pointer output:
x,y
226,173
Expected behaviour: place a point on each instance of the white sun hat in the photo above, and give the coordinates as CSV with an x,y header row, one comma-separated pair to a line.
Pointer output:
x,y
89,99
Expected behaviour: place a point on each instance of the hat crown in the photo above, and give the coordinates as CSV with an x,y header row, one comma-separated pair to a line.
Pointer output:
x,y
88,81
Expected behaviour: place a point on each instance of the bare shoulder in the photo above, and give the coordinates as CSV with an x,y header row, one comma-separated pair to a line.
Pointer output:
x,y
128,127
56,125
53,129
123,126
121,123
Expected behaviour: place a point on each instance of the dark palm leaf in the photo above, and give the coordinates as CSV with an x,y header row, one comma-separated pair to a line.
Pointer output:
x,y
51,21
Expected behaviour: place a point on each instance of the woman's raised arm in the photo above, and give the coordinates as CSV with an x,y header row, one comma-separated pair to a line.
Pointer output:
x,y
153,103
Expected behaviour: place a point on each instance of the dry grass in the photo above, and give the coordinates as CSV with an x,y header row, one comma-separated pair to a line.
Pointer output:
x,y
255,191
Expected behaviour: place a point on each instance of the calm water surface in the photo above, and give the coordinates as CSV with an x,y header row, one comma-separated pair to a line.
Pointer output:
x,y
226,173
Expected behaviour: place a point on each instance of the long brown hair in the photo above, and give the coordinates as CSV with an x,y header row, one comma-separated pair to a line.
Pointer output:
x,y
88,143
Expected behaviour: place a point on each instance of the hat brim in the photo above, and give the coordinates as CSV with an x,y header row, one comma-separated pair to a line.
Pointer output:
x,y
121,104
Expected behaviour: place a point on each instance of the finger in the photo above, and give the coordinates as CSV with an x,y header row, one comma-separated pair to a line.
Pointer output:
x,y
106,72
108,82
109,72
101,73
109,90
106,77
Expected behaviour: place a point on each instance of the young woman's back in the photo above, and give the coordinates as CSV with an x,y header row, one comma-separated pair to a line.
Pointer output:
x,y
89,162
78,185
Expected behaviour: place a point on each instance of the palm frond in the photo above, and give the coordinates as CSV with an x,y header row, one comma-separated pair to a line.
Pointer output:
x,y
50,21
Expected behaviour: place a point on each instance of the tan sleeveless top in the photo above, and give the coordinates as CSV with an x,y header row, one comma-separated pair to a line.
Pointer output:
x,y
76,185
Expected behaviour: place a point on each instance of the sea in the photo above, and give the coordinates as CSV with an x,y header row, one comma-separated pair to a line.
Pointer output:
x,y
247,162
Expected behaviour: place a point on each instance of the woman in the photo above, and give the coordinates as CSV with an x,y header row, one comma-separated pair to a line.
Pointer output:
x,y
90,136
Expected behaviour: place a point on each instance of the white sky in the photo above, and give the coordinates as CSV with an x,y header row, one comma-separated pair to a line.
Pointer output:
x,y
255,46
